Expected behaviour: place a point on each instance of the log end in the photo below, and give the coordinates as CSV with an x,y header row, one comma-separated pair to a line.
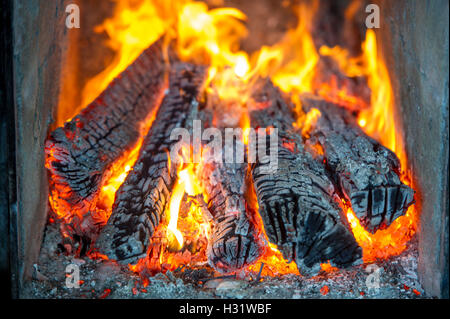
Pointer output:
x,y
378,207
123,249
233,246
322,238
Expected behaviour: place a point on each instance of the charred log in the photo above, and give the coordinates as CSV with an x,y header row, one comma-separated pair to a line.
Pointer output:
x,y
367,173
235,241
298,203
80,153
141,200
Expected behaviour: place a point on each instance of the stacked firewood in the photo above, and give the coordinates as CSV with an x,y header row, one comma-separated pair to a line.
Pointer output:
x,y
80,155
300,203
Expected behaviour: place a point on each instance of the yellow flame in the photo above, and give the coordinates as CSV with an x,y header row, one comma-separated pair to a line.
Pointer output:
x,y
351,66
210,37
379,119
291,62
186,183
131,29
308,121
174,208
245,125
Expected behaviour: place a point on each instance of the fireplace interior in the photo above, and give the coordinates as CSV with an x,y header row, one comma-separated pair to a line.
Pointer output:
x,y
100,200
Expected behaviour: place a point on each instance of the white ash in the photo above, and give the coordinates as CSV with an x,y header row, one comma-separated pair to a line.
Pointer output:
x,y
105,279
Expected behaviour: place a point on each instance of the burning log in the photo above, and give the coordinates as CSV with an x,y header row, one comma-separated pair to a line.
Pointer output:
x,y
367,173
142,198
80,153
235,241
298,203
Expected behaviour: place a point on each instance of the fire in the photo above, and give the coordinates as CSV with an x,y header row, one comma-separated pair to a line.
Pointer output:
x,y
183,234
212,36
309,120
291,62
201,36
99,207
245,125
351,66
128,32
186,183
328,268
120,171
378,121
384,243
174,207
274,262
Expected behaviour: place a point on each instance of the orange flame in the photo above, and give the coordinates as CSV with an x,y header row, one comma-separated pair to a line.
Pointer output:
x,y
134,26
379,120
309,120
175,237
387,242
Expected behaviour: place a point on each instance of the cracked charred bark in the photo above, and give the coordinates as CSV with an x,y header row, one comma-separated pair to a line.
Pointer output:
x,y
235,241
80,153
141,200
298,203
368,174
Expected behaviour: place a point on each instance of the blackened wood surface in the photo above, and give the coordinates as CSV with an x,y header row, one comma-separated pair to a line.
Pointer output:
x,y
298,204
82,151
142,198
235,241
367,173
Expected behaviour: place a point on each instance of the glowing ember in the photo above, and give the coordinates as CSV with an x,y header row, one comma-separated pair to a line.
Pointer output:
x,y
99,207
186,233
387,242
324,290
328,268
274,263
